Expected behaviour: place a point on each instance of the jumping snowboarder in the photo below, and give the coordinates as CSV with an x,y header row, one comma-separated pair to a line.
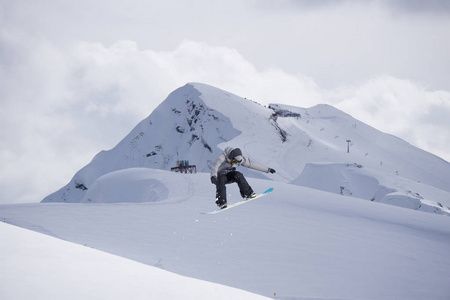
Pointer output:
x,y
224,172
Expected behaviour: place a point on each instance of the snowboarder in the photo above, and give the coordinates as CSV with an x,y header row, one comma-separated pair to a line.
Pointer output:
x,y
224,172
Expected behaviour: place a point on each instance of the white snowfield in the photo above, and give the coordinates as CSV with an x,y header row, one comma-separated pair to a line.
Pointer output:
x,y
43,267
325,232
297,242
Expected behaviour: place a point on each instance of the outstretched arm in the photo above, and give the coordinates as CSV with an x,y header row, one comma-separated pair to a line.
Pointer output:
x,y
251,164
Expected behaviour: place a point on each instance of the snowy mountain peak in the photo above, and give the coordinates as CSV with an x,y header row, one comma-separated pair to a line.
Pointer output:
x,y
196,122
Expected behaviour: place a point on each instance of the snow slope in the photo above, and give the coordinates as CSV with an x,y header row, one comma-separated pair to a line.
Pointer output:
x,y
37,266
298,242
369,184
323,233
197,121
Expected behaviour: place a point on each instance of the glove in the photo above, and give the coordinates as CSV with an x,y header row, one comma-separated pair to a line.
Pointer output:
x,y
213,179
271,170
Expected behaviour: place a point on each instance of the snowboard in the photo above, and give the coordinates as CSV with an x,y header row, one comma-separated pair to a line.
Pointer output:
x,y
238,203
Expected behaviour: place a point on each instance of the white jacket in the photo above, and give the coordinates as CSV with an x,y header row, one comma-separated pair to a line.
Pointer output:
x,y
222,165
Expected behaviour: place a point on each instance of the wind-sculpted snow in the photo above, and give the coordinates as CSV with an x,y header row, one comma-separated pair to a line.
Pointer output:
x,y
138,185
356,181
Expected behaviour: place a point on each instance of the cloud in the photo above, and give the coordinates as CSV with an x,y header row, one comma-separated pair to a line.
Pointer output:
x,y
227,69
335,42
403,108
418,6
398,6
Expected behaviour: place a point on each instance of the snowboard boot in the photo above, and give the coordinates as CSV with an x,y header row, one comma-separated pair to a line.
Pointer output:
x,y
251,196
221,204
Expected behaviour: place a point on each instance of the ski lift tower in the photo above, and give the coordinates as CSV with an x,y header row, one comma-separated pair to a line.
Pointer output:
x,y
348,146
183,166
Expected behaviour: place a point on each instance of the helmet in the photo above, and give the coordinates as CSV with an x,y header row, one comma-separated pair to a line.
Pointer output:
x,y
235,155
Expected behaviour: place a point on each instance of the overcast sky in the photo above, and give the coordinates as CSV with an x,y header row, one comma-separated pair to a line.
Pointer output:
x,y
77,76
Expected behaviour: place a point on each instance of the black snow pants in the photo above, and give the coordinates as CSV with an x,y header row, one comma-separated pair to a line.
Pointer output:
x,y
231,177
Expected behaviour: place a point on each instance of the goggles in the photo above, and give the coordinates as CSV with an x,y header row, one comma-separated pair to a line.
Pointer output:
x,y
236,160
